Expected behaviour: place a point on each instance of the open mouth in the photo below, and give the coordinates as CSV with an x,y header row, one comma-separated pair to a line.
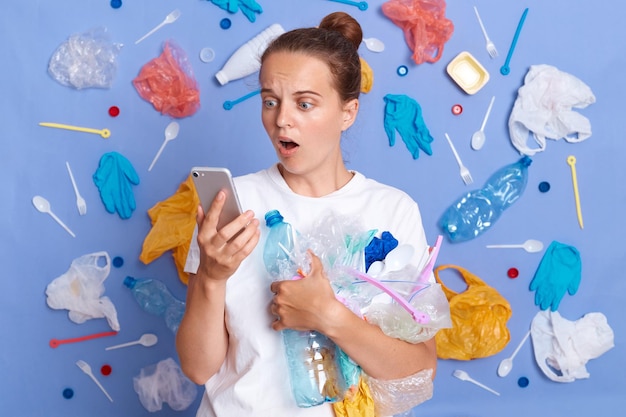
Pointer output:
x,y
289,145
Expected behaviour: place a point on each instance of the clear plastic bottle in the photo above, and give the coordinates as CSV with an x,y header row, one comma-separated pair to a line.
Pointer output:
x,y
155,298
246,59
314,360
477,211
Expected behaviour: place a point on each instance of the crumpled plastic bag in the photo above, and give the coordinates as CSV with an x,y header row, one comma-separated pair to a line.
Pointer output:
x,y
395,396
173,222
479,318
164,382
169,84
85,60
367,76
80,290
424,24
357,402
114,177
563,348
544,108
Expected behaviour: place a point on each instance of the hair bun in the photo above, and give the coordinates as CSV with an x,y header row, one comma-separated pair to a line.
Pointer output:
x,y
346,25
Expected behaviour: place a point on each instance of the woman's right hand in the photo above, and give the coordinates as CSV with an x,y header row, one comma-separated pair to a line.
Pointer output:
x,y
222,251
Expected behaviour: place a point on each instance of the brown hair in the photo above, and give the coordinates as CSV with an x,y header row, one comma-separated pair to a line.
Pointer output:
x,y
335,42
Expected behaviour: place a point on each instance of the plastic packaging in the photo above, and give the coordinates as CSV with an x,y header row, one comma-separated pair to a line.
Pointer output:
x,y
85,60
315,369
169,84
247,59
392,397
164,382
80,290
477,211
155,298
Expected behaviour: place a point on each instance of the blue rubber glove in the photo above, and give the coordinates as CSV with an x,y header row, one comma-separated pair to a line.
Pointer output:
x,y
404,114
378,248
559,271
114,178
248,7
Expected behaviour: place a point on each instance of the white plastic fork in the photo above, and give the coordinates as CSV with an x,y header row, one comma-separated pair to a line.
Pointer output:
x,y
464,172
81,204
491,47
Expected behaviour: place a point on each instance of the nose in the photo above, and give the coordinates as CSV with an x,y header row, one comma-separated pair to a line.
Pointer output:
x,y
284,118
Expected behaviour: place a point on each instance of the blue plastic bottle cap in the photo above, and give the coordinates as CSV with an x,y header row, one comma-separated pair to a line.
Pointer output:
x,y
118,261
523,382
116,4
207,54
225,23
544,186
402,70
68,393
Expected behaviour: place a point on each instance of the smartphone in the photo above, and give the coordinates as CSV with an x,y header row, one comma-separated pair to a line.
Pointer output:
x,y
208,181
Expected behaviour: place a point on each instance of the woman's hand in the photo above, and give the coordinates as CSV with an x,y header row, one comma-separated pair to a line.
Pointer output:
x,y
304,304
222,251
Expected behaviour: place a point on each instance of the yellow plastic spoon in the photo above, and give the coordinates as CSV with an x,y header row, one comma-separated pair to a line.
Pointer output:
x,y
105,133
571,161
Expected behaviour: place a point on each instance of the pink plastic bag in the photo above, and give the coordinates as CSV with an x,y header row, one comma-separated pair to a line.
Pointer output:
x,y
168,83
424,24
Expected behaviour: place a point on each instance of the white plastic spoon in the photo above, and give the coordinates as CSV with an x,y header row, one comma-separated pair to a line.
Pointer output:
x,y
478,138
171,131
84,366
507,364
398,257
531,246
43,205
175,14
464,376
374,44
146,339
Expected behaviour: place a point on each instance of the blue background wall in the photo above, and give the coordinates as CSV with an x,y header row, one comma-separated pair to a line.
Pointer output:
x,y
581,38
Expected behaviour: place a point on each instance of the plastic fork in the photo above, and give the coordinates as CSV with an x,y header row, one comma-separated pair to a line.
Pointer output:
x,y
84,366
491,47
464,172
81,204
170,18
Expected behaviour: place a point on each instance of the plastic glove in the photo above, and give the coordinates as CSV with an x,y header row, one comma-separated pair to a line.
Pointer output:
x,y
558,271
114,178
378,248
248,7
404,114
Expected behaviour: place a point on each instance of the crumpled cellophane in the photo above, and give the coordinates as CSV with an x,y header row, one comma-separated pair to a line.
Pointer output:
x,y
173,221
396,396
357,402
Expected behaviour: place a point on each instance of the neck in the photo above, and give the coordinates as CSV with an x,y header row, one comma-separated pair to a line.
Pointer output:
x,y
316,185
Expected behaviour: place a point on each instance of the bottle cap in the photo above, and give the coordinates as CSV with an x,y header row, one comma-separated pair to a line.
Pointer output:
x,y
272,217
130,281
221,77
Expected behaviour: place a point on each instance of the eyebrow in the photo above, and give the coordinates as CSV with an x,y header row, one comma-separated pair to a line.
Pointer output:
x,y
297,93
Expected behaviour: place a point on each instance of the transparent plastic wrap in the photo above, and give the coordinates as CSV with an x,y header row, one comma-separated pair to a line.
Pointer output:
x,y
85,60
164,382
397,396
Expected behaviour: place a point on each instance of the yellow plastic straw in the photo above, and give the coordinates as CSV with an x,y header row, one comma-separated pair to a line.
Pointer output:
x,y
105,133
571,161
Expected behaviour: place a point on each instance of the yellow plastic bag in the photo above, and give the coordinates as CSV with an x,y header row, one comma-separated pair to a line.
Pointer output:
x,y
357,403
367,77
479,317
173,221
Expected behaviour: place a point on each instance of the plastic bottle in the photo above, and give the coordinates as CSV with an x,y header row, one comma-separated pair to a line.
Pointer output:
x,y
478,210
155,298
247,59
313,359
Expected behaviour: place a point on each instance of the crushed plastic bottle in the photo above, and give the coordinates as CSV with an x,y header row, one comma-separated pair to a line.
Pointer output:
x,y
315,372
155,298
477,211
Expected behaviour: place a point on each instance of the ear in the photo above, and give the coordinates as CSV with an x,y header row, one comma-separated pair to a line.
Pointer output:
x,y
350,110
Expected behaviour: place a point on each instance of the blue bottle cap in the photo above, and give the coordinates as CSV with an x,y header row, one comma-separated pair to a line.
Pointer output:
x,y
272,217
68,393
544,186
116,4
225,23
402,70
130,282
118,261
523,382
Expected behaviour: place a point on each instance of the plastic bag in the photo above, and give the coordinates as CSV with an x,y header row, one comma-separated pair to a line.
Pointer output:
x,y
168,83
479,318
357,402
164,382
85,60
399,395
173,222
424,24
80,290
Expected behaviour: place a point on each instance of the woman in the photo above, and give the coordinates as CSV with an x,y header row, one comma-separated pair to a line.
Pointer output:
x,y
229,337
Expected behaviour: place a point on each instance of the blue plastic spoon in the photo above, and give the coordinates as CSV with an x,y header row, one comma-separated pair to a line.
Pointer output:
x,y
362,5
505,70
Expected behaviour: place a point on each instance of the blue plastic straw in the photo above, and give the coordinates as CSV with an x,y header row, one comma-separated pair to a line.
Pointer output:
x,y
505,70
362,5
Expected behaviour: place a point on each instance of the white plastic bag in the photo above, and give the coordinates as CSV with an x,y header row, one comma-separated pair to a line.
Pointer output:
x,y
164,382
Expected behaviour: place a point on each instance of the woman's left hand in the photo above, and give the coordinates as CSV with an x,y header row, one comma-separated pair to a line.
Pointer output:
x,y
304,304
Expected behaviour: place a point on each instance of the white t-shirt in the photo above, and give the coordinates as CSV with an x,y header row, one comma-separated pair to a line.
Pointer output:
x,y
254,379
